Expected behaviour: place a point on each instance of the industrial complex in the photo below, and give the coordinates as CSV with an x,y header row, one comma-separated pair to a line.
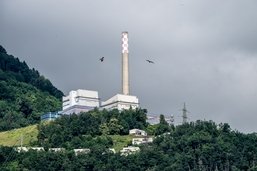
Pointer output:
x,y
84,100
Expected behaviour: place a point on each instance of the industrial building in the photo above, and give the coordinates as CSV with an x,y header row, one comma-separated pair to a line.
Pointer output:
x,y
120,102
80,101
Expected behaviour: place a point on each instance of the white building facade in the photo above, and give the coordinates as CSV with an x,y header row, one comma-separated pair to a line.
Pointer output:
x,y
121,102
142,140
80,101
129,150
137,132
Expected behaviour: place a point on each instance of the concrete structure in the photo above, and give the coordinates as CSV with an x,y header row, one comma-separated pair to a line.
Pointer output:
x,y
137,132
121,102
80,101
142,140
125,64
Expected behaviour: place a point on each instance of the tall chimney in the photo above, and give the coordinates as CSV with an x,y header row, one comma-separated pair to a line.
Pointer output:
x,y
125,64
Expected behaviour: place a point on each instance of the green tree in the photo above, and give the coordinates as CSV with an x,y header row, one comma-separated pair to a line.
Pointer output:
x,y
114,126
163,126
104,129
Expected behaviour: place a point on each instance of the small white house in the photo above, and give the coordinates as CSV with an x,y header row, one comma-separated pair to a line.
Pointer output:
x,y
129,150
144,140
137,132
81,151
26,149
37,148
19,149
56,149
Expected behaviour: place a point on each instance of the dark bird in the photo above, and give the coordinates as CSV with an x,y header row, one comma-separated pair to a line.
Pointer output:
x,y
101,59
150,61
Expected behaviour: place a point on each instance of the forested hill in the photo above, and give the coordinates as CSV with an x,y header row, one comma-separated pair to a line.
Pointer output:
x,y
12,68
24,93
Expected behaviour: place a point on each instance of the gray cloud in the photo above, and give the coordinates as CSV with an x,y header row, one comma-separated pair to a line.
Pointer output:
x,y
205,51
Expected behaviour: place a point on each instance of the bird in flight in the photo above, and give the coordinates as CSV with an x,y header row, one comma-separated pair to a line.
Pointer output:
x,y
150,61
101,59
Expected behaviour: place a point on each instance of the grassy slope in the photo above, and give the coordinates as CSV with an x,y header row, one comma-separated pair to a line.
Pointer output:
x,y
120,141
12,137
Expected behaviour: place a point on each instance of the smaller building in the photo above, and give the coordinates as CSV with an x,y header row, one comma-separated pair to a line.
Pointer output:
x,y
81,151
143,140
121,102
21,149
137,132
129,150
56,149
26,149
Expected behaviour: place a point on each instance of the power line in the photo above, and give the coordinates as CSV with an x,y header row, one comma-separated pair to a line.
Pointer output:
x,y
11,154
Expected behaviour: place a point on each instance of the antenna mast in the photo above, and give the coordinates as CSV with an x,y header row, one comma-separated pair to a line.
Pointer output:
x,y
184,116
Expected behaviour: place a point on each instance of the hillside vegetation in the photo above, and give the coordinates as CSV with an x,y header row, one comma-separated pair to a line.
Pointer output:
x,y
195,146
93,129
24,93
13,137
29,136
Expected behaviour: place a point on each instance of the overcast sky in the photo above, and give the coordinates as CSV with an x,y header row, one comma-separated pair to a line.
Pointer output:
x,y
204,51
